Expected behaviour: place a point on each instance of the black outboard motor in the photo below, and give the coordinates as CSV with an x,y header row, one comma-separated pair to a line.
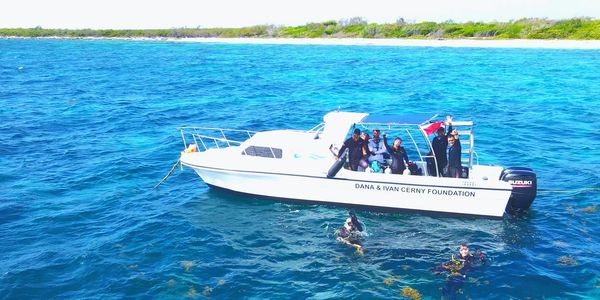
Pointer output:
x,y
524,183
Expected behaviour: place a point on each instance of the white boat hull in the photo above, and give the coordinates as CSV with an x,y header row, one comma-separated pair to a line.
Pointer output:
x,y
380,191
303,166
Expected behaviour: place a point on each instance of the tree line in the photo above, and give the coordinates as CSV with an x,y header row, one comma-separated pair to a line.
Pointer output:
x,y
529,28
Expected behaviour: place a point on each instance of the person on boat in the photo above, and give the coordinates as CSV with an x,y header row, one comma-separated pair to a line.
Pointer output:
x,y
350,233
454,133
355,146
454,164
376,149
398,153
364,161
440,145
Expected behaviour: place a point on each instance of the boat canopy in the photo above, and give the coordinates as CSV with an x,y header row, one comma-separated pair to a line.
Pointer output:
x,y
406,120
337,124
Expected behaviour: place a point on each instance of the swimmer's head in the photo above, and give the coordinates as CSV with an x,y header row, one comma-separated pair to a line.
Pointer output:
x,y
348,223
354,222
463,249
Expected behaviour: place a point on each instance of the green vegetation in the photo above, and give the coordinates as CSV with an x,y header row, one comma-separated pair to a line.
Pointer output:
x,y
575,29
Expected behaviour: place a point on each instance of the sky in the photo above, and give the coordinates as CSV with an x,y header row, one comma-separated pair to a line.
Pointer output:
x,y
151,14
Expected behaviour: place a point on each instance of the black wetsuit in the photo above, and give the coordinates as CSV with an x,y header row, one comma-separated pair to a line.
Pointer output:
x,y
364,160
354,152
457,269
467,263
439,145
351,236
459,266
454,163
457,272
398,157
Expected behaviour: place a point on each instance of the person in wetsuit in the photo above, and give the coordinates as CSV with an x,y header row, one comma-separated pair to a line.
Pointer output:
x,y
454,133
454,164
350,233
464,261
440,145
376,148
458,267
354,144
398,153
364,161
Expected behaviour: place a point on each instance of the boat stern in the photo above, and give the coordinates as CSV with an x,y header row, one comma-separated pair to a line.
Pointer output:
x,y
524,187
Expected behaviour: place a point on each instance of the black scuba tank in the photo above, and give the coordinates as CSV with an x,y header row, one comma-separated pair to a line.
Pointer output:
x,y
337,166
524,184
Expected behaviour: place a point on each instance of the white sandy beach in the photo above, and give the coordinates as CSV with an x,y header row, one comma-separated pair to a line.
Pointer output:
x,y
464,43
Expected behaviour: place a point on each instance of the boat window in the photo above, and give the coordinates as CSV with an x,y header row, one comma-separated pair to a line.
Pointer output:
x,y
263,152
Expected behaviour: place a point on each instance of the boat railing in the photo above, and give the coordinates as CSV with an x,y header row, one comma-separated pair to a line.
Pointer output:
x,y
209,137
465,132
476,157
318,128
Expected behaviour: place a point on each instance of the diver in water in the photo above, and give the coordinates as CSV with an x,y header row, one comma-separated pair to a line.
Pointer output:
x,y
351,232
458,267
464,261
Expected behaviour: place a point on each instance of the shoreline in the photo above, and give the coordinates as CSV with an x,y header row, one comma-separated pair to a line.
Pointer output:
x,y
458,43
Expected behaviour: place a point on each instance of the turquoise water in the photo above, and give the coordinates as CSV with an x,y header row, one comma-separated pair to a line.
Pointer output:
x,y
87,128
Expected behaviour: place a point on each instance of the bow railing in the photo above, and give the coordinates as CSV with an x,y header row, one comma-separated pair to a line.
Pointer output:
x,y
207,137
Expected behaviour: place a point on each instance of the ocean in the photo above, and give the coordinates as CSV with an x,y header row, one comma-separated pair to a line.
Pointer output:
x,y
87,128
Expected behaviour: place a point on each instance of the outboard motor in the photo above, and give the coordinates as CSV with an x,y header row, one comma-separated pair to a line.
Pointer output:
x,y
524,183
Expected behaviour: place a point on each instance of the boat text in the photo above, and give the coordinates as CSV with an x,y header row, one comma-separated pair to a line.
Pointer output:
x,y
521,183
413,190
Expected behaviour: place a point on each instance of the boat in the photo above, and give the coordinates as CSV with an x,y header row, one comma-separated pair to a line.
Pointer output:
x,y
300,166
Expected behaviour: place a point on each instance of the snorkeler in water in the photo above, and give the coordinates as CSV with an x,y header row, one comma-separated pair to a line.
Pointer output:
x,y
462,262
351,232
458,267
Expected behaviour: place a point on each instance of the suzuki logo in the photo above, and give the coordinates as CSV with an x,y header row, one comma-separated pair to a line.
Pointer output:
x,y
521,183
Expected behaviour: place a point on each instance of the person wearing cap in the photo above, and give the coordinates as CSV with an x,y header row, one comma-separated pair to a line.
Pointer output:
x,y
350,232
355,146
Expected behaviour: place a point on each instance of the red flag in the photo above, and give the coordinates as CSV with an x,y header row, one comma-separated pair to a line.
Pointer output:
x,y
431,128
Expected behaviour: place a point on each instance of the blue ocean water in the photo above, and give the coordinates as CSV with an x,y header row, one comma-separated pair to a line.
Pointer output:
x,y
87,128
